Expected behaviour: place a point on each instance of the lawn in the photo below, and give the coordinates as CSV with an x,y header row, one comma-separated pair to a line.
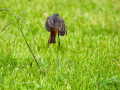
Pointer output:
x,y
89,55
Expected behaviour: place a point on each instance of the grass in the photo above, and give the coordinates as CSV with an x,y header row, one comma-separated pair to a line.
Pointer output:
x,y
89,56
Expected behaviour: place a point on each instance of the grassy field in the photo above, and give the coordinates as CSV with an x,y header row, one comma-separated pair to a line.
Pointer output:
x,y
89,56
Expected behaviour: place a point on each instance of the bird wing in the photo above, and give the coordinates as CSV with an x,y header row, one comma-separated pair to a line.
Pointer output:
x,y
50,23
62,26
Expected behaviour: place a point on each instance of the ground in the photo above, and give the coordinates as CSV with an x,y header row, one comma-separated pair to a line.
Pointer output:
x,y
89,55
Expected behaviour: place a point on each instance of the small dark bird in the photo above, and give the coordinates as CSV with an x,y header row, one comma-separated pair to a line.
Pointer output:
x,y
55,25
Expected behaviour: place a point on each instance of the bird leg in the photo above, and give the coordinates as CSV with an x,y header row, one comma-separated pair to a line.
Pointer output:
x,y
58,40
49,41
48,44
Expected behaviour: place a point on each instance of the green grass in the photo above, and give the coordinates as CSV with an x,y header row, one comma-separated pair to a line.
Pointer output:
x,y
89,56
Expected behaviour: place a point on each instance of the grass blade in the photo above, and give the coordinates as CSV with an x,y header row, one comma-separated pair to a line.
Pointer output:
x,y
21,19
7,25
28,25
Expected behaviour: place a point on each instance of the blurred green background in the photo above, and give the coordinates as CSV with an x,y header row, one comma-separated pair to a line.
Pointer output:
x,y
88,58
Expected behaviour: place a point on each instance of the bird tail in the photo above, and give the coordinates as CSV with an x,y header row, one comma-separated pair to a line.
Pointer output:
x,y
52,38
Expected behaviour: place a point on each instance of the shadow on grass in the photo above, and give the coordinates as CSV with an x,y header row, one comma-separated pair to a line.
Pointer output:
x,y
8,61
110,83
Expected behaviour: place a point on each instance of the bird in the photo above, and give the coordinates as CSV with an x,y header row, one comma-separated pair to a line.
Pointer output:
x,y
55,25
